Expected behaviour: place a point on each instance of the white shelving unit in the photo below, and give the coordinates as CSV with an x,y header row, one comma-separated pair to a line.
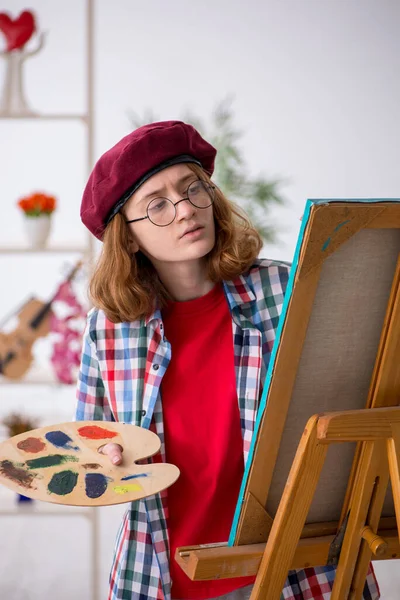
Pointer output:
x,y
85,251
49,117
8,506
47,250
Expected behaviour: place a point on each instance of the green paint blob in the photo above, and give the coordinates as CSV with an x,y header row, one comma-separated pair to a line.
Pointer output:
x,y
52,460
63,483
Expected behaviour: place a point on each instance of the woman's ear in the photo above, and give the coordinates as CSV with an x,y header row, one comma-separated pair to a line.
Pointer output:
x,y
133,245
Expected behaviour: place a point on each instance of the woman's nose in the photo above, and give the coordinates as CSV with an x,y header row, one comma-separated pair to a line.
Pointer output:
x,y
184,209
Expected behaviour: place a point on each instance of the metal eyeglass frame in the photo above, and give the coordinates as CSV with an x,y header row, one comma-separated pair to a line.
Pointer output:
x,y
174,204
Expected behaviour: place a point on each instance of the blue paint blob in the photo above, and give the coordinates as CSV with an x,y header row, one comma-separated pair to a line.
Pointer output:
x,y
341,225
324,247
96,484
135,476
328,241
59,439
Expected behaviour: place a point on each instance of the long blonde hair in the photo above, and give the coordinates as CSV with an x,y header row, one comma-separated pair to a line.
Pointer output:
x,y
126,286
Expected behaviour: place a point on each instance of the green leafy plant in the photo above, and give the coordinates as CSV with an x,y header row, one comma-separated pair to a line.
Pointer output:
x,y
254,194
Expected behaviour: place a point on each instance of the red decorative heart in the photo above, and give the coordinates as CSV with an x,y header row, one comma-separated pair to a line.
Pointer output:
x,y
18,31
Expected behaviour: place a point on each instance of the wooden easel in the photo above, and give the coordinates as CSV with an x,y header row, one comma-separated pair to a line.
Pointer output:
x,y
289,545
377,428
361,533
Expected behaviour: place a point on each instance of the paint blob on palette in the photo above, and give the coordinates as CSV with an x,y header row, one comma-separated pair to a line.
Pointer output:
x,y
61,464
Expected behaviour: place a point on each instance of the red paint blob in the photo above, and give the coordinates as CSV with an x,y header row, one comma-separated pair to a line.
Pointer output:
x,y
94,432
31,444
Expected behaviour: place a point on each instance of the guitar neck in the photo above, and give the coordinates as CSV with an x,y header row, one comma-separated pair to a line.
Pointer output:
x,y
44,311
41,314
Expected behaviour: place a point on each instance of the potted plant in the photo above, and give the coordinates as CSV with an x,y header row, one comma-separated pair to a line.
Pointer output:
x,y
37,210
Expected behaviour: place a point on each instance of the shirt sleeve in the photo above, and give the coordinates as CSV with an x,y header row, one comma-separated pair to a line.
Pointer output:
x,y
92,401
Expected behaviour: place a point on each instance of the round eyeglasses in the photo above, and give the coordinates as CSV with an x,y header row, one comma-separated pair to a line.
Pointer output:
x,y
162,211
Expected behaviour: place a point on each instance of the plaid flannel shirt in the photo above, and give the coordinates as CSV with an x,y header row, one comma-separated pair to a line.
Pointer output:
x,y
122,367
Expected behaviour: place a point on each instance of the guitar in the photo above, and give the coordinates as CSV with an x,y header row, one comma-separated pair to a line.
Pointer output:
x,y
33,322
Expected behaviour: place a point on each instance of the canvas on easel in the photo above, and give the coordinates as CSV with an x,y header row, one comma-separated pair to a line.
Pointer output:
x,y
337,349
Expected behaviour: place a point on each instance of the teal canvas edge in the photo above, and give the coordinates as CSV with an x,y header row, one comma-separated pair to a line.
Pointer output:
x,y
288,295
329,200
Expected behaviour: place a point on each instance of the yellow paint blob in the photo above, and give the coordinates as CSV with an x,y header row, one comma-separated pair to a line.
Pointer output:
x,y
129,487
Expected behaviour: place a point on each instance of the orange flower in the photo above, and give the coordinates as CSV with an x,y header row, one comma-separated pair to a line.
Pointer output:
x,y
37,204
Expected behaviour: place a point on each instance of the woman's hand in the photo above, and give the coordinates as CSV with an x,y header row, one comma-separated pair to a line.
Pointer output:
x,y
113,451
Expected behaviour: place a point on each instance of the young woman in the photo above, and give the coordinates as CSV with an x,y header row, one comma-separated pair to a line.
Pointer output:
x,y
179,340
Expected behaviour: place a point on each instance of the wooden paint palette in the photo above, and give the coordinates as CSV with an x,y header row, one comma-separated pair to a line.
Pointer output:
x,y
61,464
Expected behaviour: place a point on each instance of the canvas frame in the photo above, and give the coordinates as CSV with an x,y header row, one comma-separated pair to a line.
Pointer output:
x,y
327,227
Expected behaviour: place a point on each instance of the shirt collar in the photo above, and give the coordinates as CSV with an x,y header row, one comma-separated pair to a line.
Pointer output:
x,y
154,316
238,294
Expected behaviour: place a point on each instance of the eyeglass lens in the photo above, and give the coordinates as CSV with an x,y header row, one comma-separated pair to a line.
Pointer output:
x,y
161,211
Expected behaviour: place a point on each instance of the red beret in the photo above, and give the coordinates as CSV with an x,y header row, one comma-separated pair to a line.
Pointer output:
x,y
139,155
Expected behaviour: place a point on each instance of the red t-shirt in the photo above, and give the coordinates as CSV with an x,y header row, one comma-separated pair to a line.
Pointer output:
x,y
202,433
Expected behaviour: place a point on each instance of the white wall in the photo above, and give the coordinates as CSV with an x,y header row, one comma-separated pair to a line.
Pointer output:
x,y
317,95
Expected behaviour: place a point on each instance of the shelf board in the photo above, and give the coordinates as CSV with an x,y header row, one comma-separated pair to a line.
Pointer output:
x,y
37,375
47,249
40,513
10,507
47,117
43,382
35,380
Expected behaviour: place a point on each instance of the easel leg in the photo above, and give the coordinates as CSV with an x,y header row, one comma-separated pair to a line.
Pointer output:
x,y
393,445
361,498
291,515
373,519
383,392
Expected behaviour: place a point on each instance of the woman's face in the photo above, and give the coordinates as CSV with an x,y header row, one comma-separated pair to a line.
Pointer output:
x,y
192,233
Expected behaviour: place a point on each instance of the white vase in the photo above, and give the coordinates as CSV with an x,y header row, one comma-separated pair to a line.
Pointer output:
x,y
37,230
13,102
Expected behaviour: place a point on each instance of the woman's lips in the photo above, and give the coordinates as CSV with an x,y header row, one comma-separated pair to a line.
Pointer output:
x,y
194,233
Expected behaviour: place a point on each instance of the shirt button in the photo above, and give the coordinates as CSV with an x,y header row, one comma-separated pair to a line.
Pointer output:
x,y
143,413
156,367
